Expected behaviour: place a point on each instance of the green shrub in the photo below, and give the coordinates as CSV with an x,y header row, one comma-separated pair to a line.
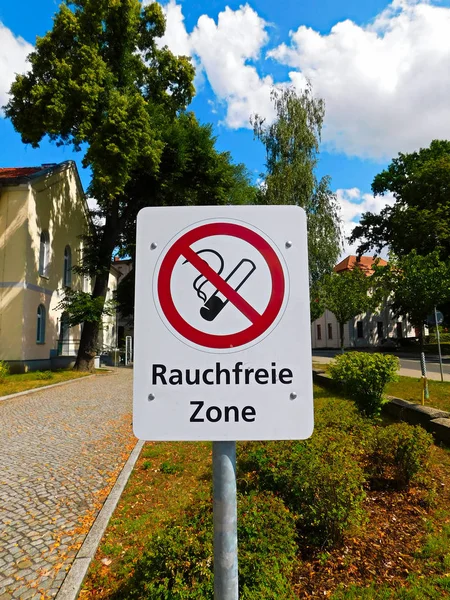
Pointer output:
x,y
178,564
4,370
170,468
320,481
43,375
399,455
364,377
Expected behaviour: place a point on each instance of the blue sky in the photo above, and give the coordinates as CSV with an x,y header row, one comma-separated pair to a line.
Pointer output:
x,y
381,67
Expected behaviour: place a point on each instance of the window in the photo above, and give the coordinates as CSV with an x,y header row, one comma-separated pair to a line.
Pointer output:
x,y
67,273
330,331
40,325
380,330
44,254
399,330
359,329
319,332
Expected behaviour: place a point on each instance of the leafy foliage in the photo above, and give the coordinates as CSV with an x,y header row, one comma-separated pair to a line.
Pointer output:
x,y
178,563
191,172
320,481
4,370
399,454
364,377
292,147
43,375
417,284
347,295
83,307
99,80
420,218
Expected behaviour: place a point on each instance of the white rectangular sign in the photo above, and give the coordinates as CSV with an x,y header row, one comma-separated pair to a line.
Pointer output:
x,y
222,330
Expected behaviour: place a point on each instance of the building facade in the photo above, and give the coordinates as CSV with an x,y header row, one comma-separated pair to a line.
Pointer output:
x,y
43,213
365,330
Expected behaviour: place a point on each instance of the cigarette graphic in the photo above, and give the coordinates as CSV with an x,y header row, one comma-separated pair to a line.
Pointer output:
x,y
236,279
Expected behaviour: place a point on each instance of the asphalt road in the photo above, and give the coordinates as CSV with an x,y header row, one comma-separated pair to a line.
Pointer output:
x,y
409,365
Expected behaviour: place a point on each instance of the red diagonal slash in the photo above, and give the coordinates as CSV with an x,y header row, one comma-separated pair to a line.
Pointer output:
x,y
224,288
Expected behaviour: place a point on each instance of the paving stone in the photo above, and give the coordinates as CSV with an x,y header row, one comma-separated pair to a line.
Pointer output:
x,y
58,448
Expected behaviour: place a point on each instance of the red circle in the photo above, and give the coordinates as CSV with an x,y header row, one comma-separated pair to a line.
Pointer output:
x,y
229,340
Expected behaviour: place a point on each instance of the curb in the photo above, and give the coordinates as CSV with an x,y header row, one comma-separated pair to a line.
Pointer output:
x,y
44,387
74,578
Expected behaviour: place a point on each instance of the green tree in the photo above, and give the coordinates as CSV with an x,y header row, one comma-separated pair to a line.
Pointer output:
x,y
191,172
416,284
292,149
420,218
99,81
347,295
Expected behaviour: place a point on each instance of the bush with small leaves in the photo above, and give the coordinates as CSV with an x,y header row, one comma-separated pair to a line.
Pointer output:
x,y
364,377
320,480
4,370
178,564
399,455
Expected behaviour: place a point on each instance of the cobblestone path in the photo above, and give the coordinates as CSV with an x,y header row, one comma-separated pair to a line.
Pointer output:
x,y
60,453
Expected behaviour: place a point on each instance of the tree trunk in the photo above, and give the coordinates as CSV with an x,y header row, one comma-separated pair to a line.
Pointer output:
x,y
341,331
89,336
88,347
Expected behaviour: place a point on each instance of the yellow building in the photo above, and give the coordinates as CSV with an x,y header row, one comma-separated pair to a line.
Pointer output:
x,y
43,213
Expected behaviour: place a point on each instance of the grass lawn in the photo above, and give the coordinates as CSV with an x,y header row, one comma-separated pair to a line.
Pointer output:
x,y
410,388
13,384
401,553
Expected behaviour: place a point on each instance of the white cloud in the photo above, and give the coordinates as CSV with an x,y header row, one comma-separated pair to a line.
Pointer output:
x,y
223,51
386,85
353,204
13,53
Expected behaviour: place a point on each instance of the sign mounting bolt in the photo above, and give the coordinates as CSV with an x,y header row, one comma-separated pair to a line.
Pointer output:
x,y
151,397
153,246
293,395
288,244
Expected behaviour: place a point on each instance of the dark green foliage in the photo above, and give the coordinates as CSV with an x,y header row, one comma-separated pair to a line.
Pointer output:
x,y
420,218
82,307
100,80
191,173
170,468
4,370
417,284
43,375
399,454
320,481
364,377
178,564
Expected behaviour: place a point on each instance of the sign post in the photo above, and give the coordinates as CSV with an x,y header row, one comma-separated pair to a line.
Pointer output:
x,y
222,346
438,320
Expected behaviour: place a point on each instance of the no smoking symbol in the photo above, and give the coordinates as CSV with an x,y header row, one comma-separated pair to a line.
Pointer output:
x,y
227,292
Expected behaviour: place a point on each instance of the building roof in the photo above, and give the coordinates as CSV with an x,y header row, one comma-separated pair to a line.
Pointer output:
x,y
364,262
22,174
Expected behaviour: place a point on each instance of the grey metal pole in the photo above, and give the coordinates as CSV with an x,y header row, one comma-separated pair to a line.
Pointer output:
x,y
438,337
225,521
